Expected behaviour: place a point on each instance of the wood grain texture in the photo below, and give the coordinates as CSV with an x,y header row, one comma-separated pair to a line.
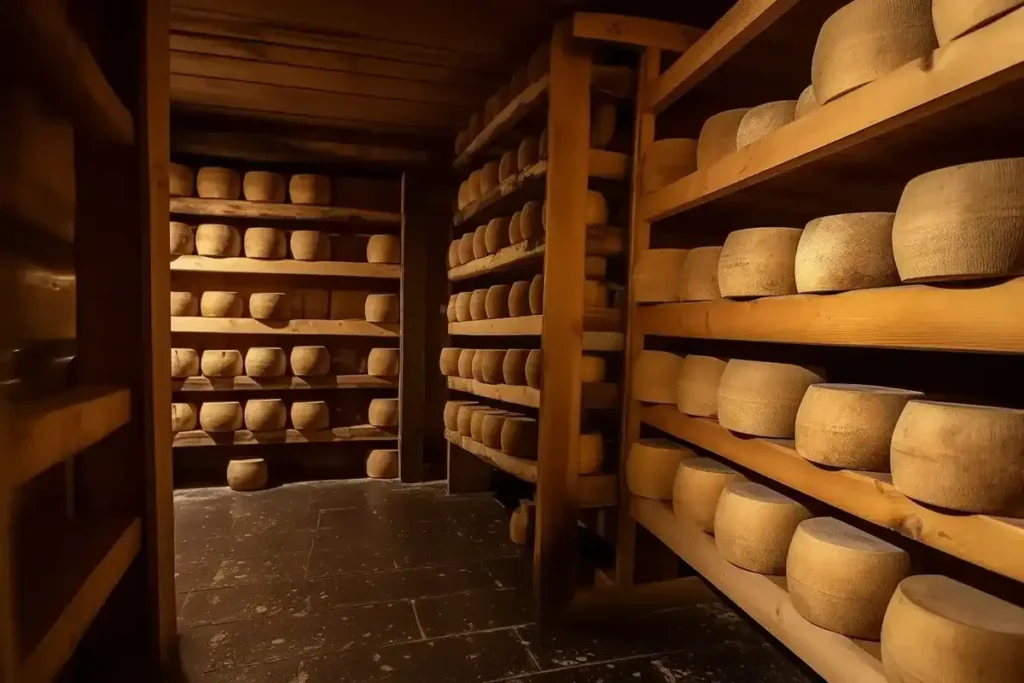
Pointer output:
x,y
344,328
254,147
206,264
247,438
515,111
602,240
206,384
636,31
598,395
227,208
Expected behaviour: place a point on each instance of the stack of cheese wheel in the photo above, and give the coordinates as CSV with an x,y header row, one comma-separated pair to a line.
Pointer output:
x,y
657,275
849,425
867,39
310,361
496,301
217,240
382,308
265,362
384,249
309,188
451,413
655,376
698,485
310,415
519,437
263,186
758,262
754,526
717,137
184,304
844,252
226,363
181,181
383,412
182,239
247,474
449,362
973,636
761,398
955,18
266,243
841,578
265,415
962,222
651,467
478,304
218,183
806,103
310,245
183,417
384,363
382,463
764,120
698,280
666,161
697,387
963,457
220,416
184,363
221,305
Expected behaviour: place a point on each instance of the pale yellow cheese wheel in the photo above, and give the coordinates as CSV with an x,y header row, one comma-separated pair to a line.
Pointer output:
x,y
754,526
513,368
758,262
764,120
247,474
849,425
697,486
184,363
699,278
270,305
539,63
496,234
383,412
462,309
717,137
464,419
603,118
841,578
315,303
449,361
181,181
184,304
519,299
310,361
806,103
666,161
182,240
465,198
265,361
844,252
954,18
266,243
263,186
183,417
454,260
492,362
465,366
657,275
537,295
697,386
384,362
964,457
220,416
519,525
496,301
221,305
382,463
490,429
761,398
265,415
478,365
531,220
384,249
451,413
528,153
213,182
310,415
655,376
309,188
592,369
515,233
480,242
450,312
382,308
651,467
478,304
488,178
221,363
937,630
310,245
507,166
534,369
519,437
591,453
466,248
218,240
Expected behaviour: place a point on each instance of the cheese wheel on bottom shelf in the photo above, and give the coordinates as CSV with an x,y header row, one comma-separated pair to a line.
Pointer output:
x,y
383,308
310,361
480,242
519,437
717,137
466,249
213,182
462,309
496,235
382,463
309,245
519,299
697,387
478,304
263,186
666,161
491,363
955,18
763,120
844,252
180,181
655,376
496,301
592,369
264,243
534,369
184,363
537,295
217,363
651,467
183,417
466,363
758,262
265,415
384,249
451,413
183,242
221,305
265,361
184,304
449,361
754,526
310,415
697,486
591,453
220,416
218,240
309,188
761,398
698,280
513,368
247,474
384,363
383,412
657,275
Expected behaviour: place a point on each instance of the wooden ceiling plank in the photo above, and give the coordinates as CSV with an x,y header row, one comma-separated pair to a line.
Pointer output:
x,y
638,31
283,149
239,114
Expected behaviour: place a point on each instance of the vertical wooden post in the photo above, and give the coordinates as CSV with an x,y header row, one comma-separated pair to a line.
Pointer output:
x,y
8,631
562,335
411,392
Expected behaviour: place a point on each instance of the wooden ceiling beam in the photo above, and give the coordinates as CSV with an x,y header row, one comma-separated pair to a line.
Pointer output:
x,y
285,149
638,31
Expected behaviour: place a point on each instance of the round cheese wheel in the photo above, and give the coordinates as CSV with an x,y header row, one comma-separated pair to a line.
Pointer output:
x,y
221,305
488,178
754,526
507,166
182,240
220,416
478,365
962,222
263,186
655,376
183,417
496,301
758,262
384,249
592,369
697,387
449,361
971,636
666,161
954,18
461,140
698,280
215,239
542,145
762,399
270,305
265,361
465,197
657,275
528,153
476,422
519,299
519,82
310,415
180,181
841,578
475,194
382,463
218,363
534,369
265,415
310,361
697,486
844,252
964,457
866,39
519,525
184,363
466,248
717,137
515,233
531,220
247,474
309,188
596,211
384,363
184,304
764,120
539,63
478,304
490,429
451,313
267,243
466,363
602,124
496,235
513,368
462,308
454,261
464,419
451,413
519,437
475,125
218,183
537,295
310,245
382,308
651,467
480,242
591,453
492,362
383,412
806,103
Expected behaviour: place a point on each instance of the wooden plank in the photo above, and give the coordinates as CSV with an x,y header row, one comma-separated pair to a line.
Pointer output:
x,y
594,319
976,64
194,384
638,31
610,604
515,111
909,317
343,328
502,260
596,395
244,437
835,657
227,208
254,147
519,468
869,496
206,264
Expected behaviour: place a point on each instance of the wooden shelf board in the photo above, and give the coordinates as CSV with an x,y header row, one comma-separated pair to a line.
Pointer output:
x,y
595,396
344,328
867,495
968,68
835,657
598,337
193,384
227,208
910,317
244,437
206,264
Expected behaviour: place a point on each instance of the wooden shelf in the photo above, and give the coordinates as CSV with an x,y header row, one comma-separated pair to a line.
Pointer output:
x,y
227,208
911,317
595,339
595,396
837,658
193,384
343,328
244,437
895,105
50,431
869,496
206,264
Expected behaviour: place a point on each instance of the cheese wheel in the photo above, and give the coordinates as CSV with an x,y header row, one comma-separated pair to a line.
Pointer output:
x,y
310,188
528,153
591,453
595,268
215,239
515,233
449,361
698,280
849,425
247,474
184,363
265,415
651,467
220,416
462,309
963,457
466,363
542,145
519,82
267,243
603,118
183,417
596,210
764,120
507,166
383,412
697,486
451,413
464,419
475,194
182,240
466,248
180,181
382,308
218,363
592,369
844,252
971,636
315,303
454,261
218,183
513,367
221,305
385,363
478,304
496,301
717,137
655,376
310,361
492,362
806,103
270,305
184,304
266,361
310,245
263,186
762,399
519,525
519,298
841,578
962,222
954,18
451,313
537,295
476,422
754,526
478,365
534,369
697,387
539,63
490,429
461,140
866,39
384,249
519,437
480,242
382,463
496,235
488,178
310,415
666,161
465,198
531,220
657,275
758,262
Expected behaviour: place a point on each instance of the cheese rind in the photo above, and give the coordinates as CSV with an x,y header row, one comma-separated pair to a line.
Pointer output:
x,y
657,275
265,415
762,399
491,363
466,363
697,387
449,361
265,243
213,182
310,415
496,234
754,526
496,301
221,305
651,467
183,417
384,363
537,295
384,249
806,103
451,413
270,305
844,252
764,120
310,245
698,280
382,308
309,188
655,376
184,304
220,416
697,486
759,262
519,437
247,474
265,361
462,309
180,181
717,137
383,412
218,240
534,369
513,368
310,361
382,463
519,298
263,186
478,304
221,363
184,363
183,242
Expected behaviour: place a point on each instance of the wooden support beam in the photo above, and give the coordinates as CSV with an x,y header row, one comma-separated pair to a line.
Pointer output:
x,y
638,31
254,147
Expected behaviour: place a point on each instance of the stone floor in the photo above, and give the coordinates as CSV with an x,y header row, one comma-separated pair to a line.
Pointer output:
x,y
372,581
